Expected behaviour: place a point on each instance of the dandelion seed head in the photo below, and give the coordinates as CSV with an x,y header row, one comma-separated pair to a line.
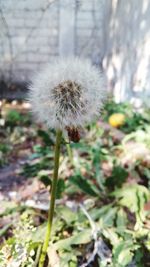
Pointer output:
x,y
68,93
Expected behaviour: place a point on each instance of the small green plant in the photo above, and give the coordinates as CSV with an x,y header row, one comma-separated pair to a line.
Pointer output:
x,y
20,250
117,177
13,118
4,150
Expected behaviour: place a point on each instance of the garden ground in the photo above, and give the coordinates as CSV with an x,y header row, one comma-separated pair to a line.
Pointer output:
x,y
102,213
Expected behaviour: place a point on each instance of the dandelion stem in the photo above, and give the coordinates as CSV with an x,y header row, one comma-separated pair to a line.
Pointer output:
x,y
52,202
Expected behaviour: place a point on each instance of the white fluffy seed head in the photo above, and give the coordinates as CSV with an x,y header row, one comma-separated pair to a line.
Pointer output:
x,y
67,93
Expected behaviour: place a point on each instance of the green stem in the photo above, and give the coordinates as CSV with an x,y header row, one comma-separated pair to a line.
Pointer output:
x,y
37,256
69,151
52,202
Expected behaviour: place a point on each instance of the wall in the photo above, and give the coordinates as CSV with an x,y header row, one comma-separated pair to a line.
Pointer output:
x,y
29,38
113,33
127,48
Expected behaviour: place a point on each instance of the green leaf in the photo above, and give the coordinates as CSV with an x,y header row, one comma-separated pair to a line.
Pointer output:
x,y
45,180
13,117
60,188
84,185
9,207
121,219
83,237
45,137
96,160
4,229
117,178
68,259
97,213
139,257
112,236
108,218
133,197
39,234
66,214
122,254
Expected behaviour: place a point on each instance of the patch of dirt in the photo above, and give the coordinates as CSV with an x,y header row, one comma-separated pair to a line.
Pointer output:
x,y
9,180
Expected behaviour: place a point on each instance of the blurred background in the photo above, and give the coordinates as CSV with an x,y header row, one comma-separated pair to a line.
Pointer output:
x,y
114,34
102,215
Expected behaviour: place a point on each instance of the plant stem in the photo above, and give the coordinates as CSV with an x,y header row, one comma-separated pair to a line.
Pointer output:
x,y
37,256
53,196
69,151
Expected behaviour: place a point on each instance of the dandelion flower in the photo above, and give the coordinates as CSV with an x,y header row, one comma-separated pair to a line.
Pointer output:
x,y
68,93
65,95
